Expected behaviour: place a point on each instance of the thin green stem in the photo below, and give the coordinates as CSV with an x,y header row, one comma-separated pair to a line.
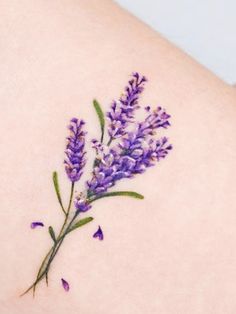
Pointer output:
x,y
44,268
63,209
65,221
59,242
109,142
116,193
71,197
57,190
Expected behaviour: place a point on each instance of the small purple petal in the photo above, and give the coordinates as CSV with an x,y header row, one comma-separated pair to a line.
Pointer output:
x,y
36,224
65,284
99,234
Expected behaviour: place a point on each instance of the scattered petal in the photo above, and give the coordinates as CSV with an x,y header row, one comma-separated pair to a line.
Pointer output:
x,y
36,224
99,234
65,284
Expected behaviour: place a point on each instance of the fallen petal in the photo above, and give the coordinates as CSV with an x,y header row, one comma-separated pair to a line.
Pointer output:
x,y
36,224
99,234
65,284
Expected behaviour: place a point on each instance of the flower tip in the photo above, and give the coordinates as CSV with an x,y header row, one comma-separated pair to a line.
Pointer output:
x,y
138,76
99,234
147,108
65,285
75,120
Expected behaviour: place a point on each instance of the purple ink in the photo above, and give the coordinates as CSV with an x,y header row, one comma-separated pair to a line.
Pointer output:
x,y
99,234
132,147
81,204
122,111
132,154
75,154
36,224
65,285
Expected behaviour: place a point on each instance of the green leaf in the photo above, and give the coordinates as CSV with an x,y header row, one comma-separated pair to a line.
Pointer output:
x,y
100,117
52,233
80,223
57,189
118,193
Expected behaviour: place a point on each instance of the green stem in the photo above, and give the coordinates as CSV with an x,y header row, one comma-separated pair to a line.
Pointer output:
x,y
64,224
44,268
59,243
110,140
57,190
71,197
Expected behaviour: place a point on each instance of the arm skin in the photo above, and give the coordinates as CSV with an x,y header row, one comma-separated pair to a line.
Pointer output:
x,y
174,252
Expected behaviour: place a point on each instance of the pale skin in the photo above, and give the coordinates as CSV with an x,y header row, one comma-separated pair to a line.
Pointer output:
x,y
171,253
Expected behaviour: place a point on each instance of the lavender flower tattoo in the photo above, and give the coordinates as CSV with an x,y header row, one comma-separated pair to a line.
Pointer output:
x,y
130,149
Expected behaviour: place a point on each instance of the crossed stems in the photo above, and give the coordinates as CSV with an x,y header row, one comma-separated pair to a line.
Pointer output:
x,y
65,229
69,225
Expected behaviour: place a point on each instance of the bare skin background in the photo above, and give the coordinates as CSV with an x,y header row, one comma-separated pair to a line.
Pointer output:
x,y
176,252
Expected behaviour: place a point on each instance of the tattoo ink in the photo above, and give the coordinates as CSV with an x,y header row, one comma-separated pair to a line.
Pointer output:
x,y
128,148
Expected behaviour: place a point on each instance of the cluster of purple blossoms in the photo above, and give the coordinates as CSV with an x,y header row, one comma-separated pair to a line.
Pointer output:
x,y
122,111
130,150
75,153
132,154
132,147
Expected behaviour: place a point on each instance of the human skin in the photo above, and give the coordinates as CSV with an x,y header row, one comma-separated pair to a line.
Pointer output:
x,y
171,253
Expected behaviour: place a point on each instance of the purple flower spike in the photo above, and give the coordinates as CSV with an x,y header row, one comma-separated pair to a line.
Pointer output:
x,y
75,160
36,224
65,285
99,234
122,111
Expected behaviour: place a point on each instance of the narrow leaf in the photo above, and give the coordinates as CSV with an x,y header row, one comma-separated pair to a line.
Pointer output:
x,y
118,193
52,233
80,223
100,117
57,189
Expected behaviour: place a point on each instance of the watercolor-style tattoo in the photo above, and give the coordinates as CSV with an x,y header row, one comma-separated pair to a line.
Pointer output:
x,y
128,148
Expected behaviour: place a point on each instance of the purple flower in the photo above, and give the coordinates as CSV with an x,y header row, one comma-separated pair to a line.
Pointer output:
x,y
133,154
99,234
156,119
103,173
144,157
36,224
81,204
147,108
122,111
65,285
98,146
75,159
